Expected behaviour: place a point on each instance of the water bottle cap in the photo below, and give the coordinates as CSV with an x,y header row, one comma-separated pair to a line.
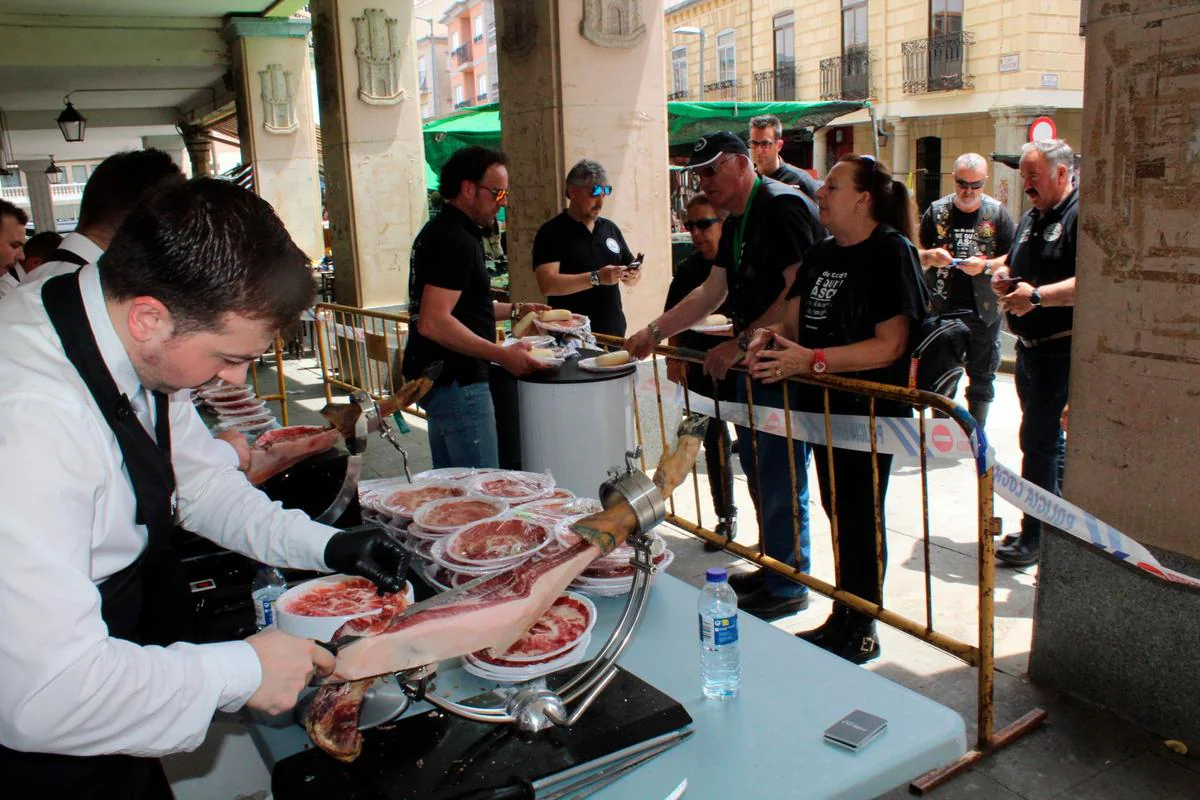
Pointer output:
x,y
717,574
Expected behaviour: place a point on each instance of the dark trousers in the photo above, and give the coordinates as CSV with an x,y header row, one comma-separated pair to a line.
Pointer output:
x,y
983,358
718,459
1042,377
858,565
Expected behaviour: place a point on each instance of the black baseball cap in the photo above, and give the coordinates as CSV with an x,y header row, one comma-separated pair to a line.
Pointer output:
x,y
710,147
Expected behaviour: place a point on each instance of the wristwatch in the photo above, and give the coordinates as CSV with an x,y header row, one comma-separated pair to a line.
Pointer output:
x,y
1035,299
743,341
515,314
595,278
819,365
655,331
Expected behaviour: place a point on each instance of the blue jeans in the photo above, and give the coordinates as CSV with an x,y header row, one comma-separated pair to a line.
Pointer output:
x,y
1042,376
774,497
462,426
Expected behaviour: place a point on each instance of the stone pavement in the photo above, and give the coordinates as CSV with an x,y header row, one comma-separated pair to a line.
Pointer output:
x,y
1080,752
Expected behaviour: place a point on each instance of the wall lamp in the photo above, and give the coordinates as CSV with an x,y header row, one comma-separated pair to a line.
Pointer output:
x,y
74,125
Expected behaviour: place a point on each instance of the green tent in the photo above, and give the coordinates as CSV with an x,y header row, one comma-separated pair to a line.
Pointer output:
x,y
686,122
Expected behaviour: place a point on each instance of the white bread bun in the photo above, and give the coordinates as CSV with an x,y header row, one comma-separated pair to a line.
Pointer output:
x,y
613,359
556,315
523,327
714,320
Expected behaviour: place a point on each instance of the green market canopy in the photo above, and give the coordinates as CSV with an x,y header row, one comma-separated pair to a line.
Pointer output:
x,y
686,122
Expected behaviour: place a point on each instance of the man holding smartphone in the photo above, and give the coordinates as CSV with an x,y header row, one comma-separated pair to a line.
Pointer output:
x,y
580,257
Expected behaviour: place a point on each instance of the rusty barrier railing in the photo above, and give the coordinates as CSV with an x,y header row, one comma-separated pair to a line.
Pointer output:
x,y
280,393
980,654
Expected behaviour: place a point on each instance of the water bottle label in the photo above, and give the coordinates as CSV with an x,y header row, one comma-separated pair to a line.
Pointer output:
x,y
718,631
264,608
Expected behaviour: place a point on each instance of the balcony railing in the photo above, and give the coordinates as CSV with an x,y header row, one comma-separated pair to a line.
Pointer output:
x,y
937,63
461,54
847,77
682,94
464,103
479,98
61,192
776,84
721,90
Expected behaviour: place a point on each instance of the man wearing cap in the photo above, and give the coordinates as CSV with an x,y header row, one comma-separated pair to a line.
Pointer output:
x,y
771,226
579,257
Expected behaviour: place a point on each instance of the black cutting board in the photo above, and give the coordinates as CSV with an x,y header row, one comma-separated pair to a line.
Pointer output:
x,y
435,756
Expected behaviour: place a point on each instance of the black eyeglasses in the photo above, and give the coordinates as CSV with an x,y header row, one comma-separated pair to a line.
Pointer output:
x,y
761,143
702,224
969,184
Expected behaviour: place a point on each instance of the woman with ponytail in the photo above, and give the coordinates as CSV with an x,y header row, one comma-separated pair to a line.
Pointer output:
x,y
856,303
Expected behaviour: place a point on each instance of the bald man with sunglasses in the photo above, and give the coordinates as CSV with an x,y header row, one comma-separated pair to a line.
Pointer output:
x,y
959,233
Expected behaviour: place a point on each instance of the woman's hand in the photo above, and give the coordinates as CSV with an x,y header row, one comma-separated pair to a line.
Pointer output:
x,y
787,360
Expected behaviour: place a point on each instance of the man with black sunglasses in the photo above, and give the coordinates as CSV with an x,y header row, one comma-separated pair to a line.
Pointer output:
x,y
960,232
579,257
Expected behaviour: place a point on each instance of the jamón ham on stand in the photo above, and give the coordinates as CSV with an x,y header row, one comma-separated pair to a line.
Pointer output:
x,y
492,616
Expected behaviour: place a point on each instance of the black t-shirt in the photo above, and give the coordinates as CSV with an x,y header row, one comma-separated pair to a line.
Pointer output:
x,y
448,253
690,273
846,292
793,176
576,249
1043,252
951,287
781,228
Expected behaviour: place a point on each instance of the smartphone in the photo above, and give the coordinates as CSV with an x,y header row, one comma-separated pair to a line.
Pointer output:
x,y
956,262
637,262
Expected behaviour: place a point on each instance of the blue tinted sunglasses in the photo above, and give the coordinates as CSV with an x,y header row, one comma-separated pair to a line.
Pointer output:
x,y
598,190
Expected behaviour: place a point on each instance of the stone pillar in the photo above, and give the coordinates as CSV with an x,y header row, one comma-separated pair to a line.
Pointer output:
x,y
277,121
570,92
41,203
902,151
199,150
1012,131
820,154
373,150
172,145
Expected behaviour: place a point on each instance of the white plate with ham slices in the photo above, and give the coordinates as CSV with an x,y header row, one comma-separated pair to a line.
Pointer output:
x,y
498,541
451,474
290,434
454,513
316,609
408,499
557,640
514,487
249,424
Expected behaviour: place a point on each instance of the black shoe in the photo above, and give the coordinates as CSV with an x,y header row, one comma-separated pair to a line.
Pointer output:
x,y
830,630
767,606
747,583
726,528
858,644
1021,553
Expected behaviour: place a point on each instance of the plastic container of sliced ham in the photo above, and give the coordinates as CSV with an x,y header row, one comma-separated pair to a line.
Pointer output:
x,y
225,391
248,424
514,487
316,609
453,513
490,671
556,509
406,500
436,552
256,408
452,474
499,540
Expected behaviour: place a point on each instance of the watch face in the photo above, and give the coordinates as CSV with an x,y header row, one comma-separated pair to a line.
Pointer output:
x,y
818,367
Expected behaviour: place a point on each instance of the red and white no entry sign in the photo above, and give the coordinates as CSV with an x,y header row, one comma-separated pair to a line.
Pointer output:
x,y
1042,128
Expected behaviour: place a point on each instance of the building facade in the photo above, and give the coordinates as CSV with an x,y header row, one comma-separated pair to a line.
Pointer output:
x,y
943,76
474,74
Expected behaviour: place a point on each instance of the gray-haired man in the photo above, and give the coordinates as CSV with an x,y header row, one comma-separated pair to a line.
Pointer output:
x,y
579,257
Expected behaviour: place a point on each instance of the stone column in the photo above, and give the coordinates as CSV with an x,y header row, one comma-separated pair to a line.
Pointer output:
x,y
373,150
172,145
1012,131
820,154
901,151
41,203
571,91
277,121
199,150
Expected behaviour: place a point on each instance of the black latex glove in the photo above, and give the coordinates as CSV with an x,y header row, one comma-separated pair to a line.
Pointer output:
x,y
370,552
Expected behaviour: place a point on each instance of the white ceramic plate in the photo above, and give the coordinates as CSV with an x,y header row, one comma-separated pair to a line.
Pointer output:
x,y
719,330
590,365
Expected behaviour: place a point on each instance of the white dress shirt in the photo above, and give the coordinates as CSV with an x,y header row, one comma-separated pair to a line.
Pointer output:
x,y
8,282
67,524
78,244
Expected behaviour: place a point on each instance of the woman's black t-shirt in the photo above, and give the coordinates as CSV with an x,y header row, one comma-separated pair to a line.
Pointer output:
x,y
845,292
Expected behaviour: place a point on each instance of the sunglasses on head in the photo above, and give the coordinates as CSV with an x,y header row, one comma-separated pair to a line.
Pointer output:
x,y
702,224
500,194
969,184
599,190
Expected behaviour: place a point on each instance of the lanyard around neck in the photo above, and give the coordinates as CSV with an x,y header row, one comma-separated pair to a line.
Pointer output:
x,y
739,237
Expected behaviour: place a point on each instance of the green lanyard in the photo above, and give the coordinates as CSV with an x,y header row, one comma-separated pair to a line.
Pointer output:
x,y
738,237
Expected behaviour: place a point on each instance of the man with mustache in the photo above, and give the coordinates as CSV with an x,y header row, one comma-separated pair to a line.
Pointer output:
x,y
1035,284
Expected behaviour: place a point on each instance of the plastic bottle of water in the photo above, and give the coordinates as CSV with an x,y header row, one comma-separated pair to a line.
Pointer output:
x,y
266,588
720,658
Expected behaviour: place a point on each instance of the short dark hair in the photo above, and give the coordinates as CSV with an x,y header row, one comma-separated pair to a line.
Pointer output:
x,y
467,164
891,202
7,209
42,245
119,182
206,248
768,121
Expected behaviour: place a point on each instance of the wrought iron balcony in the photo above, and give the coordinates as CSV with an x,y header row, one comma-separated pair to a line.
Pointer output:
x,y
937,63
721,90
848,76
461,54
464,104
682,94
776,84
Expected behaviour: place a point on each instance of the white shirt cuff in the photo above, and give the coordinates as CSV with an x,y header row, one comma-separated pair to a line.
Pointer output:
x,y
238,666
232,456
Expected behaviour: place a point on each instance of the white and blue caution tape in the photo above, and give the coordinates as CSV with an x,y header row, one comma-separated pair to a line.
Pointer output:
x,y
944,439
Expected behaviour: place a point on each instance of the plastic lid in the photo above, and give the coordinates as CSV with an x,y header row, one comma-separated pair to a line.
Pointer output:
x,y
717,574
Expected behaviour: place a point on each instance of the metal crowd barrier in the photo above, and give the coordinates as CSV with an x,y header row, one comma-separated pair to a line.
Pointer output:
x,y
980,654
280,394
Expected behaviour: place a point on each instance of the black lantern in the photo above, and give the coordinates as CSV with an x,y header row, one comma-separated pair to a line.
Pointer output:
x,y
72,123
55,173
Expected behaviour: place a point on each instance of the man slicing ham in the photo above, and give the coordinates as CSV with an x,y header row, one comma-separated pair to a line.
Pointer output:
x,y
193,286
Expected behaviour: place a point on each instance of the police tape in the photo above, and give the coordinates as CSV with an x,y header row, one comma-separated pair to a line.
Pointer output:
x,y
943,439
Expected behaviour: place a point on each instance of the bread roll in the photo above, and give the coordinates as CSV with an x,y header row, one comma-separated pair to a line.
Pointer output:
x,y
523,327
714,320
613,359
556,315
541,353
